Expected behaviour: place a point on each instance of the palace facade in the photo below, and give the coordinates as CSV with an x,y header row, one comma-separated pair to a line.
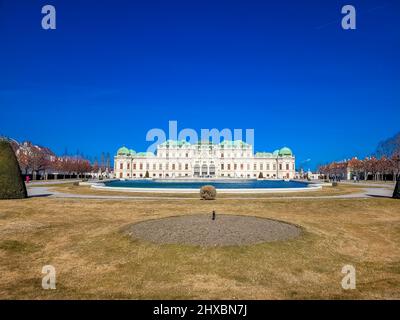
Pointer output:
x,y
228,159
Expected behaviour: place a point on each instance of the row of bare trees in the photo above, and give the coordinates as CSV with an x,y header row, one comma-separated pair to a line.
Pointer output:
x,y
370,167
36,160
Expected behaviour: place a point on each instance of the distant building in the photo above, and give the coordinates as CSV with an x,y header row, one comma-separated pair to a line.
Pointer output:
x,y
228,159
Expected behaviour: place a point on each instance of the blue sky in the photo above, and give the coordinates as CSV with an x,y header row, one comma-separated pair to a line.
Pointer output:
x,y
112,70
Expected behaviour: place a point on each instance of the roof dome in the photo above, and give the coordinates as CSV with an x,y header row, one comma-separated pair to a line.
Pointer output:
x,y
285,151
123,151
275,153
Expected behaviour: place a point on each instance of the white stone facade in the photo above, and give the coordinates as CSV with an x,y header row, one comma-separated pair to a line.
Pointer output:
x,y
229,159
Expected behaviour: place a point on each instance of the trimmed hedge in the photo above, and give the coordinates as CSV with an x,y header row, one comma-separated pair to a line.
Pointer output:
x,y
12,185
396,192
208,193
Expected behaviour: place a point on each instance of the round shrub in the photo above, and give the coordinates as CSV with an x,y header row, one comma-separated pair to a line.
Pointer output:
x,y
208,193
12,185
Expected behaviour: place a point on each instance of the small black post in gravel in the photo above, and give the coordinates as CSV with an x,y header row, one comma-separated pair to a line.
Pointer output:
x,y
213,215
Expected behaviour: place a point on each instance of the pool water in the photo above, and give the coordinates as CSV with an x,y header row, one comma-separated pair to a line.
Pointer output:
x,y
245,184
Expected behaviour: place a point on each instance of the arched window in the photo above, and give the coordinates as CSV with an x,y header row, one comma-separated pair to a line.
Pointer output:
x,y
212,170
196,170
204,170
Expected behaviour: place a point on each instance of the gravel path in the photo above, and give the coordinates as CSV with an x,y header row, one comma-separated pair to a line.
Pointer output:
x,y
225,230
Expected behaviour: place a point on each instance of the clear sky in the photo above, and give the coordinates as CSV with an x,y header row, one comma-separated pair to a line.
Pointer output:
x,y
112,70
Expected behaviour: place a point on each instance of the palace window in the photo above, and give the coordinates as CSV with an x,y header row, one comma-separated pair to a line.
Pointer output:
x,y
222,155
222,166
154,166
141,166
229,166
255,166
235,166
128,165
147,166
134,166
160,166
187,155
121,165
186,166
280,166
261,166
267,166
173,166
241,166
274,166
287,166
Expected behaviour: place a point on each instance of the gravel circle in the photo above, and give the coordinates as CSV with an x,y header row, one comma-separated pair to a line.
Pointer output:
x,y
225,230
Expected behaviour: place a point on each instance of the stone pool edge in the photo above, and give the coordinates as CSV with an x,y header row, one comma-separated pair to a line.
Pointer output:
x,y
101,186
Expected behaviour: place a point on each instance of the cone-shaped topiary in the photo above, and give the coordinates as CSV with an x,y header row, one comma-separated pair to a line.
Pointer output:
x,y
396,192
12,185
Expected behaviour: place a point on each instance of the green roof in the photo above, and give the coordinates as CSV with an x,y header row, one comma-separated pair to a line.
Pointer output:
x,y
264,154
237,143
144,154
285,151
123,151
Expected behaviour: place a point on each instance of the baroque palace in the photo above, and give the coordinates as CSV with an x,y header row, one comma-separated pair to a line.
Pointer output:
x,y
228,159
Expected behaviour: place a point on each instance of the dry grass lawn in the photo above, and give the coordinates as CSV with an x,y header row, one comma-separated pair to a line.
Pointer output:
x,y
82,239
